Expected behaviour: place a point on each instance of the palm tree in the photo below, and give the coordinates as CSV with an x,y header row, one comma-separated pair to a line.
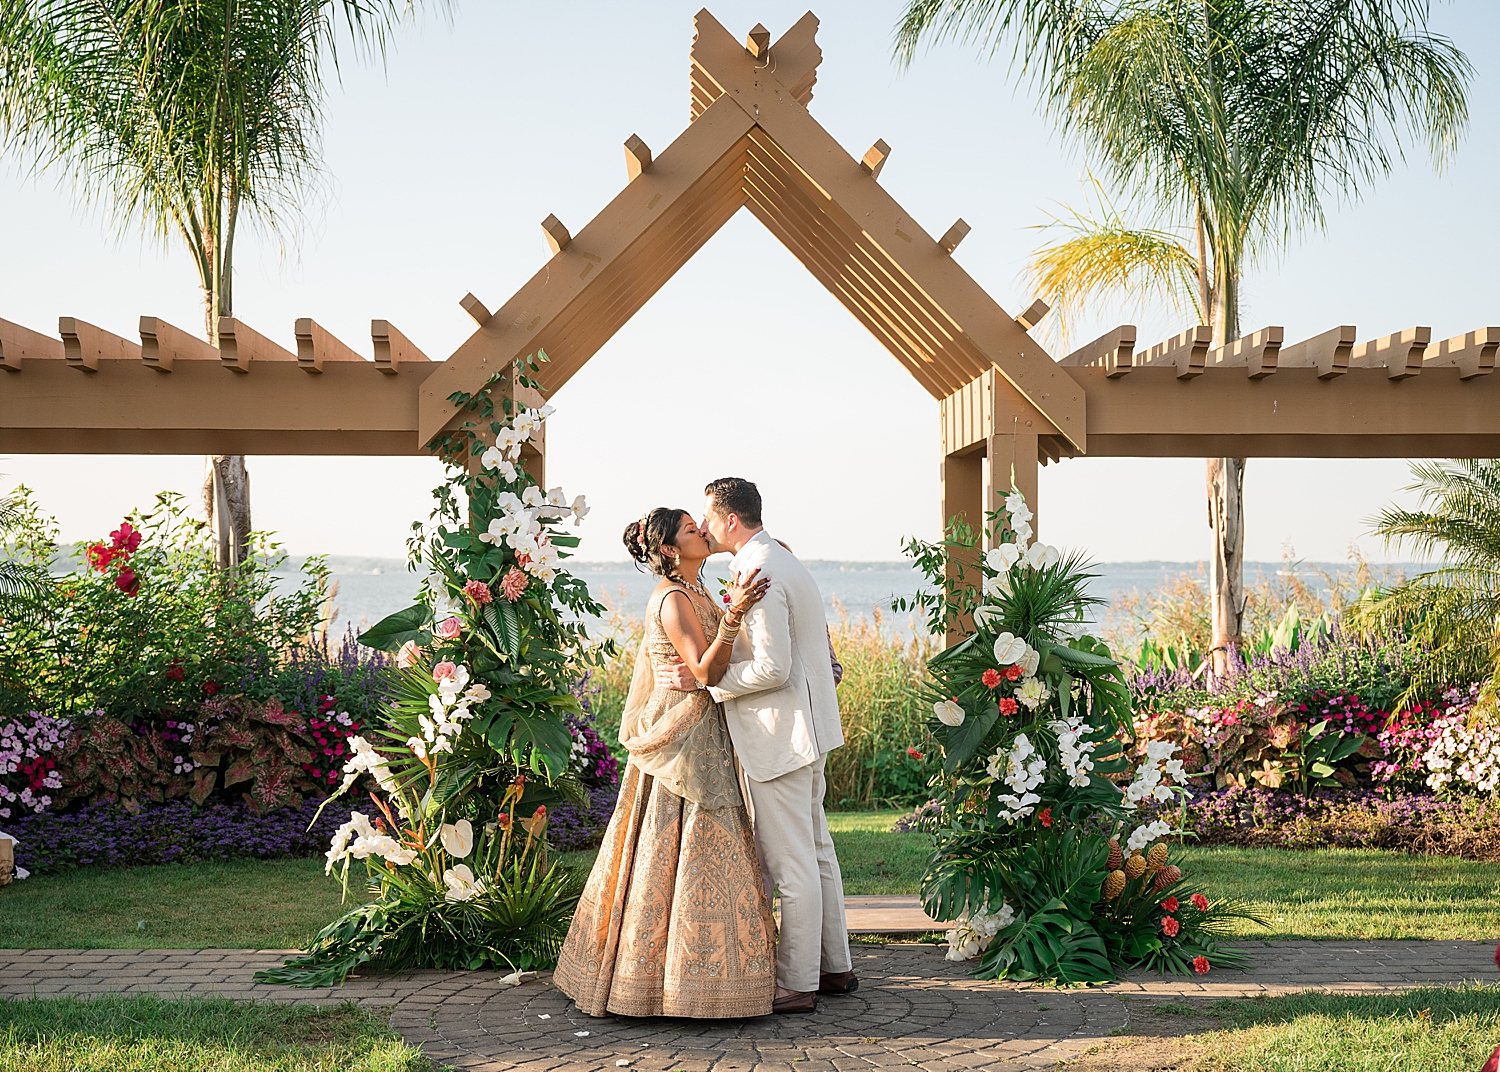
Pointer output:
x,y
1452,612
177,115
21,581
1232,118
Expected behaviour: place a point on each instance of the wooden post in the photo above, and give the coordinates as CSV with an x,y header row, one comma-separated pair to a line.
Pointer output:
x,y
1013,464
962,478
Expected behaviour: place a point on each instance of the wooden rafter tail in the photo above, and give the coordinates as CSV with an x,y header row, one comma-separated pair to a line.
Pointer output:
x,y
316,344
1033,314
875,158
85,344
954,235
1113,351
163,343
637,157
1048,449
1186,351
1328,352
1399,353
393,349
18,343
476,309
557,235
1256,353
240,344
1473,353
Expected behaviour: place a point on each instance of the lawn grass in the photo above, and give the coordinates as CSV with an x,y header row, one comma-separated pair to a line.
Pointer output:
x,y
240,904
1436,1029
143,1033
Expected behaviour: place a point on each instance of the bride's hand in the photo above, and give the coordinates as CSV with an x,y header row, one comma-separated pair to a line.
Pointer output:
x,y
746,591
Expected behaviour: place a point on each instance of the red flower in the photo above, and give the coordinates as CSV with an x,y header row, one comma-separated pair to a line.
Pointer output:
x,y
1200,902
99,556
991,678
1170,905
125,539
1014,673
915,754
1008,706
175,671
1200,965
127,582
210,687
1046,815
1170,926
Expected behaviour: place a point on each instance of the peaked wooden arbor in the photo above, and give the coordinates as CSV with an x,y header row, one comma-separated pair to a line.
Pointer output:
x,y
752,143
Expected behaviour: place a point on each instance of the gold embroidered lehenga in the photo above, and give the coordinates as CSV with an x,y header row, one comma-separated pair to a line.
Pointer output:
x,y
674,920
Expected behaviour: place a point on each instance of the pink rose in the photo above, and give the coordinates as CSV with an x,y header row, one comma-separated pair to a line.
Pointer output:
x,y
447,629
444,671
407,656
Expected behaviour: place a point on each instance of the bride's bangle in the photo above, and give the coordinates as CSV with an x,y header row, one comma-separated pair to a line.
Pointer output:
x,y
728,632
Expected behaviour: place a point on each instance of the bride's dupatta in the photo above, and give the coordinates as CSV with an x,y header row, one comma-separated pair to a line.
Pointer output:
x,y
657,728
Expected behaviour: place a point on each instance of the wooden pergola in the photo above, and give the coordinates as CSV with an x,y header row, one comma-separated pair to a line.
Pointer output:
x,y
752,143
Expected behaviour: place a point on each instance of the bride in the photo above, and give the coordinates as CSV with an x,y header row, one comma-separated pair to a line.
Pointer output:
x,y
675,919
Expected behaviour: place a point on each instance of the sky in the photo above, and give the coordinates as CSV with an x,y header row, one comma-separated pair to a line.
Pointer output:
x,y
439,167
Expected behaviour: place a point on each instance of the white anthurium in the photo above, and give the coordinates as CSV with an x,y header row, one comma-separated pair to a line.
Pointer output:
x,y
949,712
458,838
1003,556
998,585
1040,555
461,883
1009,649
986,614
1032,660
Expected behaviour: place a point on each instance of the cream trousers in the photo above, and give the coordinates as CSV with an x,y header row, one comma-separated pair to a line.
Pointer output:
x,y
797,857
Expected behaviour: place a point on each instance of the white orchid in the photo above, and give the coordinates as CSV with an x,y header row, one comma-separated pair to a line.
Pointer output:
x,y
972,933
492,458
949,712
458,838
534,496
449,687
1032,693
477,693
508,502
1003,556
1010,649
580,509
461,883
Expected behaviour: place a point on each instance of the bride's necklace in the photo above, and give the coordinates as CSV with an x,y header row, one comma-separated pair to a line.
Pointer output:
x,y
692,586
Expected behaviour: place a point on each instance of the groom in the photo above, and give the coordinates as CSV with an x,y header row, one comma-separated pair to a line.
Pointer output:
x,y
783,717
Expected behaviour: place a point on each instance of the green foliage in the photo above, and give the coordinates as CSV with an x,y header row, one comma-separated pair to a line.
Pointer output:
x,y
1056,883
151,631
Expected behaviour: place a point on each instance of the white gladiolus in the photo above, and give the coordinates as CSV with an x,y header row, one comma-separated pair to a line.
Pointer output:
x,y
1142,836
1003,556
948,712
1022,769
1015,506
461,883
972,933
1009,649
363,757
458,838
1023,530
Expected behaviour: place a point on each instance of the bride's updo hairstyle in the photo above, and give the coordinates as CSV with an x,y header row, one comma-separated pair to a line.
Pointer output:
x,y
644,539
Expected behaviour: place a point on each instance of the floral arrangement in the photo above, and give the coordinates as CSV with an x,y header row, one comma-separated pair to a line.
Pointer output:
x,y
1044,860
480,726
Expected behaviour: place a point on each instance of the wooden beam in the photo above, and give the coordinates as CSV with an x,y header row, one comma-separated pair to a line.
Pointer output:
x,y
1186,352
163,343
961,479
1255,353
1328,352
557,234
128,408
393,349
1400,354
17,343
475,308
240,344
758,41
1473,353
1033,314
637,157
84,344
954,235
875,158
1111,351
316,344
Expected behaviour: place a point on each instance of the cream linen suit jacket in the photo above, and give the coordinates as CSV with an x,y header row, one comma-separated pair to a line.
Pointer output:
x,y
778,693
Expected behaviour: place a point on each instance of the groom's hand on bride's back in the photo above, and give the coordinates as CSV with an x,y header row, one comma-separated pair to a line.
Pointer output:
x,y
676,675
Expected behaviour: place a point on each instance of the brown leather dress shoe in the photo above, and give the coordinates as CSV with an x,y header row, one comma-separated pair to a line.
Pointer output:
x,y
837,982
796,1002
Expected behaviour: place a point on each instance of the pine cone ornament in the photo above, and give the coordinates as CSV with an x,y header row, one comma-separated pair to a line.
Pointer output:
x,y
1116,857
1135,867
1167,876
1157,857
1114,884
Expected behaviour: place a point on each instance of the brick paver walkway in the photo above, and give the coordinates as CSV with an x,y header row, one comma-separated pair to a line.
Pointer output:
x,y
913,1009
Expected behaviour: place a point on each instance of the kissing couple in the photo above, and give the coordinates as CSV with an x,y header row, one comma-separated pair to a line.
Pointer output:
x,y
729,721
